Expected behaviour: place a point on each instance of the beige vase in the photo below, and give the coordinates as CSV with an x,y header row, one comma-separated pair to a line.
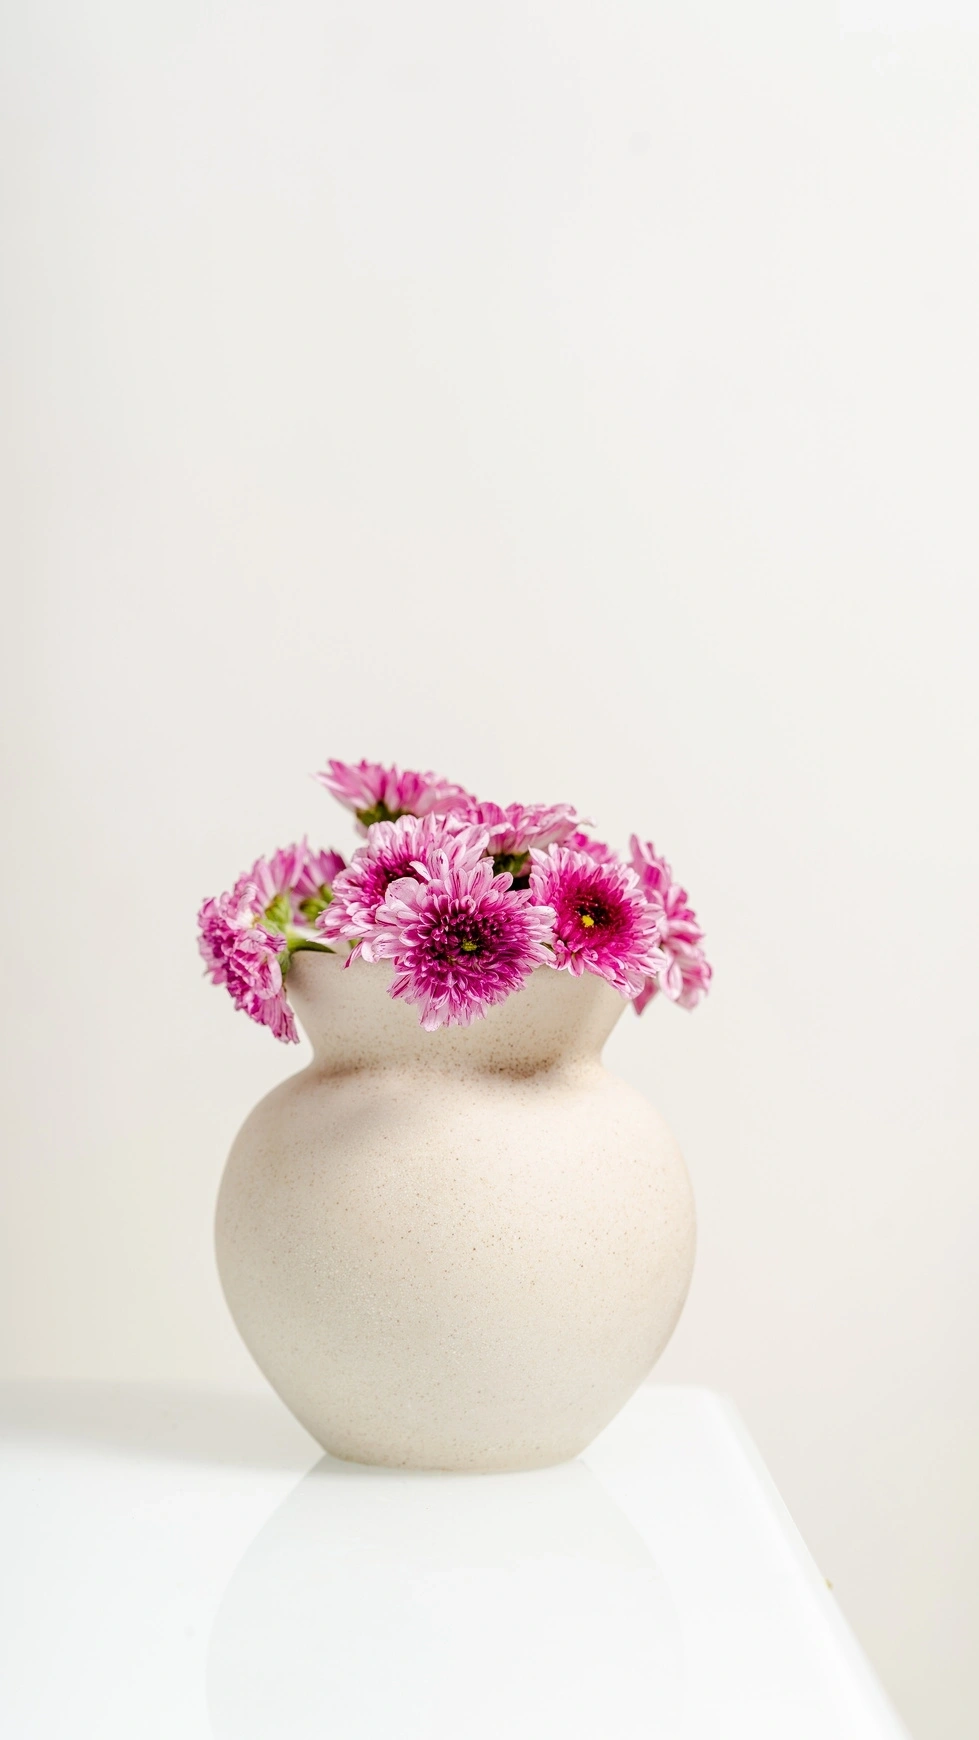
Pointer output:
x,y
456,1250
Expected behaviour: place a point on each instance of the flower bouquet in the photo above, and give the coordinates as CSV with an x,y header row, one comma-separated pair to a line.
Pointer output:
x,y
454,1243
465,899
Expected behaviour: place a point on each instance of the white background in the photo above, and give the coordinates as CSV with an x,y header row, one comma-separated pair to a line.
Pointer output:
x,y
582,399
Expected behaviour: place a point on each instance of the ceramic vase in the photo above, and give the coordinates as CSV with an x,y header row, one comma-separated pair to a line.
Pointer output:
x,y
454,1250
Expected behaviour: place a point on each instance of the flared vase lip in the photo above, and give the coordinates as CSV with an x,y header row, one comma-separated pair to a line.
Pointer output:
x,y
346,1011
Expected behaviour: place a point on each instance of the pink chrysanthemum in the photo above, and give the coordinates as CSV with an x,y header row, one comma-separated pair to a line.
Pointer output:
x,y
595,849
294,883
460,938
516,828
239,953
393,850
686,975
382,794
603,922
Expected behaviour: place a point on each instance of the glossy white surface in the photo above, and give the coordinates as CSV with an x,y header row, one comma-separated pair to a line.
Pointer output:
x,y
187,1566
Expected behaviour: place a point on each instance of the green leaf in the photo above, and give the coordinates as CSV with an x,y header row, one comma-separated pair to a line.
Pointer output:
x,y
278,912
314,904
510,863
379,813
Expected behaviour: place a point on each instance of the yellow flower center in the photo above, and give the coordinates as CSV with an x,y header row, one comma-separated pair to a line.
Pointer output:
x,y
587,921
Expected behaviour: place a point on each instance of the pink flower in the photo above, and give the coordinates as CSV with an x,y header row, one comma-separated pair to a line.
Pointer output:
x,y
393,850
595,849
293,884
603,921
460,938
686,975
382,794
515,829
242,955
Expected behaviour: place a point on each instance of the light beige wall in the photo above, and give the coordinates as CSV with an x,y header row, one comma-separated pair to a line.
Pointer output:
x,y
582,399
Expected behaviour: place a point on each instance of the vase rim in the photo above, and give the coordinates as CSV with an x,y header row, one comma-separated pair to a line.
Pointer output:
x,y
352,1022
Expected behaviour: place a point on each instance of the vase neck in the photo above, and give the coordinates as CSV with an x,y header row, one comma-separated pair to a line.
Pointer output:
x,y
352,1022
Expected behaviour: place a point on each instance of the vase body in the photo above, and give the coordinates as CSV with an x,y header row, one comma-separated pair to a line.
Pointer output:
x,y
455,1250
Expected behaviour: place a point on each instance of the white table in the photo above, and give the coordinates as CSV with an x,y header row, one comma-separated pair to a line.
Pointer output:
x,y
181,1566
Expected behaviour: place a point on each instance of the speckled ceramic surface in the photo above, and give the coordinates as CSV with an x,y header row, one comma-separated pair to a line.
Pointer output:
x,y
458,1250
